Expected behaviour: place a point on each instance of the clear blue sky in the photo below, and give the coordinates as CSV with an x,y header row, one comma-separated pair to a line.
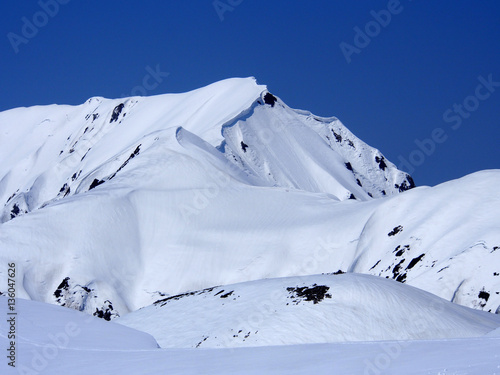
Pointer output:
x,y
395,90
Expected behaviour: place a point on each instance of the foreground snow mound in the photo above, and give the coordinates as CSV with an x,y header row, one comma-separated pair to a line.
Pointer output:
x,y
55,341
309,309
44,325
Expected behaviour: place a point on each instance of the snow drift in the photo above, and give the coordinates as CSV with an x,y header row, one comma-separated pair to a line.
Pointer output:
x,y
308,309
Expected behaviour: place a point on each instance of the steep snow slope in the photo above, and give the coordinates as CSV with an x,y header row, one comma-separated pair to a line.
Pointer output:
x,y
133,200
444,239
97,347
56,151
308,309
290,148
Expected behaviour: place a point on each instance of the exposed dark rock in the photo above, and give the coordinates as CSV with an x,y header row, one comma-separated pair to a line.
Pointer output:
x,y
397,269
164,301
244,146
395,231
401,278
414,261
227,294
63,286
15,211
400,250
270,99
106,312
348,166
484,295
406,185
96,183
116,112
12,196
314,293
338,137
381,162
202,341
132,155
442,269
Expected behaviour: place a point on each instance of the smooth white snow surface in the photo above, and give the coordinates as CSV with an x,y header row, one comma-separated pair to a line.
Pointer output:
x,y
308,309
98,347
44,324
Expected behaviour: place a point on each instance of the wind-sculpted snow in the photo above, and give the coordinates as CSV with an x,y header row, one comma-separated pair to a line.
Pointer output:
x,y
47,325
58,341
308,309
443,239
138,199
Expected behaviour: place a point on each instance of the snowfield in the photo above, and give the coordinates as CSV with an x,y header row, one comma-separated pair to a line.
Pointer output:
x,y
308,309
116,207
57,341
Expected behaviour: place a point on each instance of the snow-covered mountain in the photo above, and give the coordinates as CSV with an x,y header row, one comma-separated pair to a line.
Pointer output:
x,y
114,204
223,218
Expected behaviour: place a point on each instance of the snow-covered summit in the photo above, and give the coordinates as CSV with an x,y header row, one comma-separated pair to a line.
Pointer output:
x,y
53,152
113,204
